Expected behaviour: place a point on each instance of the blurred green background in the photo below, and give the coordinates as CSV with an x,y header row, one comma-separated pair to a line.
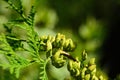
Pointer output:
x,y
91,24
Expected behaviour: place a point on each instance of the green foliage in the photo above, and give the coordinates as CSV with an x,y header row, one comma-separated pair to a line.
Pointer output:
x,y
56,48
15,62
43,74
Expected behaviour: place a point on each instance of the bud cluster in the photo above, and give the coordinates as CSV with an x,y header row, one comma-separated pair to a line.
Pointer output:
x,y
57,47
74,68
83,71
54,47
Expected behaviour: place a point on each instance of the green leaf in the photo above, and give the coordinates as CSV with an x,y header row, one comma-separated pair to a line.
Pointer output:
x,y
43,74
15,62
17,4
31,15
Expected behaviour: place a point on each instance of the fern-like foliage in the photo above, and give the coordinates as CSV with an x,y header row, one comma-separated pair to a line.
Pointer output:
x,y
43,74
15,62
9,42
16,5
31,15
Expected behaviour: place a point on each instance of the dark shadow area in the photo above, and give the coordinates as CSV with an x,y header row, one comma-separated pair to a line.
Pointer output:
x,y
111,54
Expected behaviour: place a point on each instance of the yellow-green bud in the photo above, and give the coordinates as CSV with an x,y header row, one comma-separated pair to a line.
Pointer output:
x,y
87,77
93,72
59,41
69,46
58,60
52,39
62,40
101,77
43,38
84,55
66,44
83,72
94,77
74,68
58,37
49,45
92,67
92,61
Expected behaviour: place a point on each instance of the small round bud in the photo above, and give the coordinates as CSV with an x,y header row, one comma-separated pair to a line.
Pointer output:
x,y
84,55
58,60
83,72
92,61
92,67
69,46
49,45
74,68
87,77
58,37
59,41
101,77
93,72
52,39
94,77
66,44
43,38
62,41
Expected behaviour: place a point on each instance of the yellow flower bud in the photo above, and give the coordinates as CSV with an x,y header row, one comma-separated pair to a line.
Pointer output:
x,y
84,55
49,45
66,44
101,77
87,77
58,60
92,67
69,46
94,77
59,41
83,72
43,38
74,67
93,72
92,61
52,39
